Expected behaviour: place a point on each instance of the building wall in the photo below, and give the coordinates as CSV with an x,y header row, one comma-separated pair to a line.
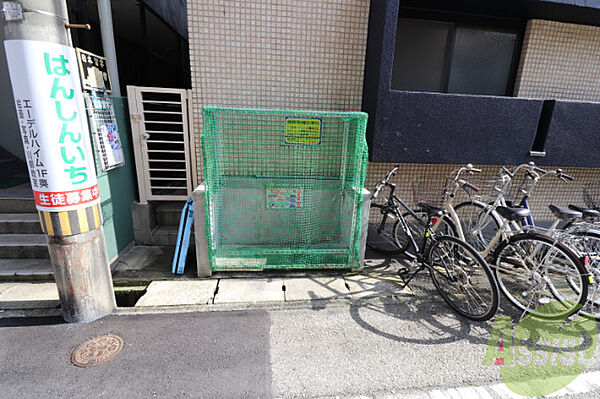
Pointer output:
x,y
426,182
10,137
118,189
311,54
290,54
559,61
173,12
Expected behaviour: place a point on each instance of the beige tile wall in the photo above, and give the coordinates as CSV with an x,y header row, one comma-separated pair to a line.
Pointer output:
x,y
309,54
294,54
559,61
426,182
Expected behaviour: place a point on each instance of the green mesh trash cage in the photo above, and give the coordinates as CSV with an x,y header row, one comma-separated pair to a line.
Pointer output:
x,y
283,188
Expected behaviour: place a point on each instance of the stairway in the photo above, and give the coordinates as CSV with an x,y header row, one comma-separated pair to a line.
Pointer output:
x,y
23,249
168,216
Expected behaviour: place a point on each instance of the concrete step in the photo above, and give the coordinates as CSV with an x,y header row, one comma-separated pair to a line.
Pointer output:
x,y
20,223
167,236
23,246
17,205
172,293
169,213
26,269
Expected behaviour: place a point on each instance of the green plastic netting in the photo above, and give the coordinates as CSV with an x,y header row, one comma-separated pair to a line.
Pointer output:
x,y
283,188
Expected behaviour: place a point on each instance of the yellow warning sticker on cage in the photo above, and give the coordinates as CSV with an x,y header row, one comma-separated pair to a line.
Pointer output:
x,y
302,131
284,198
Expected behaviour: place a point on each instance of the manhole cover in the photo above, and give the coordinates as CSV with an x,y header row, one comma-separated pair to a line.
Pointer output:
x,y
97,350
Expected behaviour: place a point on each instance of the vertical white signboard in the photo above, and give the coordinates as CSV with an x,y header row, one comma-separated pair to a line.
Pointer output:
x,y
53,124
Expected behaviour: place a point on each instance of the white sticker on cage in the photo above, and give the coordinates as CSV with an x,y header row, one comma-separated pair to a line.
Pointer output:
x,y
284,198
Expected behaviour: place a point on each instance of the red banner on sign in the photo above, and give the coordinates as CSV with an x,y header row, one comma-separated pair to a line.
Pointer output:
x,y
66,199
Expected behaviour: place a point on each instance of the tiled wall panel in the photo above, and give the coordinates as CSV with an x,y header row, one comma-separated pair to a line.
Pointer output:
x,y
294,54
309,54
559,61
426,182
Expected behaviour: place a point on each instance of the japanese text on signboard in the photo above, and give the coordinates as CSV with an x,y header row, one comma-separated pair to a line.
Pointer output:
x,y
53,125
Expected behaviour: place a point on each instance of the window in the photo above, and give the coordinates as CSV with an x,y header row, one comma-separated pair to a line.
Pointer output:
x,y
451,57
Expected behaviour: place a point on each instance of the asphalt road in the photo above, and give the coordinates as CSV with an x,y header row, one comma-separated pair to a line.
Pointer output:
x,y
410,344
164,356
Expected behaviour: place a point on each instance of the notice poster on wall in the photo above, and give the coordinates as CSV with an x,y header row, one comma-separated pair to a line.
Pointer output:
x,y
53,124
109,135
94,71
104,128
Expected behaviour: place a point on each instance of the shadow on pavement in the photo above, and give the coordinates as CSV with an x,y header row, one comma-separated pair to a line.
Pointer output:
x,y
434,322
31,321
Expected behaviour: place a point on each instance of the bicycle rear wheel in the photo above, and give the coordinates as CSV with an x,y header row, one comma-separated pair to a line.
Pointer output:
x,y
380,234
587,244
463,278
541,276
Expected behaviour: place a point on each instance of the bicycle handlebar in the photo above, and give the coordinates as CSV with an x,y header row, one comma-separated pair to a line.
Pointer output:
x,y
466,184
377,189
468,168
385,182
472,186
392,173
563,176
507,172
534,173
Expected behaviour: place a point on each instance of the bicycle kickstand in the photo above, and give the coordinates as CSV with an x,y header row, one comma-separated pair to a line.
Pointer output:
x,y
406,276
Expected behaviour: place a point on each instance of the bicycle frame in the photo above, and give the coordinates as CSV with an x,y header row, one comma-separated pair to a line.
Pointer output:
x,y
449,207
418,250
421,251
392,202
507,227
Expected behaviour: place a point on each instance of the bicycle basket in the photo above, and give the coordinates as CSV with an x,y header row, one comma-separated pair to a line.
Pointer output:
x,y
431,192
591,195
489,189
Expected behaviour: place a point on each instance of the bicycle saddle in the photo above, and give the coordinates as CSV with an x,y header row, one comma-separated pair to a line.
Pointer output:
x,y
591,213
432,211
513,213
564,213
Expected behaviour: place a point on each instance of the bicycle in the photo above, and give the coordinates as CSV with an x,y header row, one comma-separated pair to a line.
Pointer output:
x,y
459,273
532,269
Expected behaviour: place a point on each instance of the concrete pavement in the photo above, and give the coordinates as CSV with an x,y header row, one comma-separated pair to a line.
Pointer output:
x,y
227,289
290,336
379,348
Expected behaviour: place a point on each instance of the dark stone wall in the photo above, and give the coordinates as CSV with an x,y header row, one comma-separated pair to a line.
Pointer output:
x,y
573,135
441,128
174,12
446,128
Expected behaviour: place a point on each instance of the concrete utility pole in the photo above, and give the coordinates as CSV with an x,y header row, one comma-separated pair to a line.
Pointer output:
x,y
108,44
55,133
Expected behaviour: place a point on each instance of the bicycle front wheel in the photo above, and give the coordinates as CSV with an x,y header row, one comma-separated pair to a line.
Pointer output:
x,y
541,276
478,223
463,278
381,230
